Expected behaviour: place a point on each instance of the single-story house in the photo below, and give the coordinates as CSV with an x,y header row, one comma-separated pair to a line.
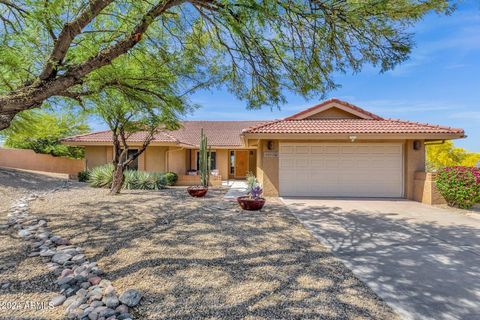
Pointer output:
x,y
332,149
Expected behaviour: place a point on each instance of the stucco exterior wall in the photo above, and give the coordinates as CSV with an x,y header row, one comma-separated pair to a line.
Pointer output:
x,y
333,113
97,155
29,160
425,190
177,160
414,161
222,162
268,166
154,159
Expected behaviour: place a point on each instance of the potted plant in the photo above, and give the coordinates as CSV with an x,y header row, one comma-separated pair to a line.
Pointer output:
x,y
253,201
204,164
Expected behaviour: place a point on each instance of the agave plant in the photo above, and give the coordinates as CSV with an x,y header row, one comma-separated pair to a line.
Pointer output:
x,y
142,180
101,176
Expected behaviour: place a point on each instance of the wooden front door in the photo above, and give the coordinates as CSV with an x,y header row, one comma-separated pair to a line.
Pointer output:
x,y
241,164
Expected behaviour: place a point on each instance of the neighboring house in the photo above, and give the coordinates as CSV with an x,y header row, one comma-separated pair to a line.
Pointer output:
x,y
332,149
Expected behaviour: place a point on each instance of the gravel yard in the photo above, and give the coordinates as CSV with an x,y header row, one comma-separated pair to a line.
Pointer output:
x,y
192,258
27,278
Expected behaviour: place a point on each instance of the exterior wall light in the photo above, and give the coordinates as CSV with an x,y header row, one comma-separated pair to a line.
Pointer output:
x,y
270,145
352,138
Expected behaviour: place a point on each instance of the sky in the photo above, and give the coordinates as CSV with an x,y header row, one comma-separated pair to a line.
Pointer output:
x,y
439,84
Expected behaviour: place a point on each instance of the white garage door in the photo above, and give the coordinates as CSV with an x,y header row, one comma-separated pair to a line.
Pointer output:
x,y
341,170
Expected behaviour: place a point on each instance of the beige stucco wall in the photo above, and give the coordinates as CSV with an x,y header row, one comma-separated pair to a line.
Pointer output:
x,y
267,167
29,160
222,162
97,155
414,161
177,160
425,190
154,159
333,113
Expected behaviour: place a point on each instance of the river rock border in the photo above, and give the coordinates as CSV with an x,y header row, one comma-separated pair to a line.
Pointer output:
x,y
84,292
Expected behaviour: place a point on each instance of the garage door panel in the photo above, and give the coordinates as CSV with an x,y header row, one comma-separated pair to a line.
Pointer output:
x,y
287,164
350,170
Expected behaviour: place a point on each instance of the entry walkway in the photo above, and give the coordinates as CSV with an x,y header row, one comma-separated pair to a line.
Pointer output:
x,y
238,188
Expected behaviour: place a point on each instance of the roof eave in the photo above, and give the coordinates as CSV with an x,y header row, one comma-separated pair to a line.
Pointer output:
x,y
359,136
110,143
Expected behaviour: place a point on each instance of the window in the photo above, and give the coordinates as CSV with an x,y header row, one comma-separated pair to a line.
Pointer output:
x,y
134,164
213,160
232,162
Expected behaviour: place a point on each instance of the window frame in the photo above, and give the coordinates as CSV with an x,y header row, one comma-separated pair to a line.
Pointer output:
x,y
213,160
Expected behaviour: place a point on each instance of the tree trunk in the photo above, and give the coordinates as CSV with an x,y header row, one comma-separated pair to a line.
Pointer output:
x,y
118,179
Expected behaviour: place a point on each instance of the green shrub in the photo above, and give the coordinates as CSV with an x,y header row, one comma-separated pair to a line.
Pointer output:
x,y
101,176
460,186
141,180
83,176
169,178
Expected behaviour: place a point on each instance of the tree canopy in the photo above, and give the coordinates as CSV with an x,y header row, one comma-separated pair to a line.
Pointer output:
x,y
257,49
42,130
447,155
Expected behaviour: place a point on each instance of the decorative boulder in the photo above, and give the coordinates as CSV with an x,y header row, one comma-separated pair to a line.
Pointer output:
x,y
131,297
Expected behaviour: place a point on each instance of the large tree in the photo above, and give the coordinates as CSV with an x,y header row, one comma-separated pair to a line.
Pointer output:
x,y
58,48
126,115
42,131
447,155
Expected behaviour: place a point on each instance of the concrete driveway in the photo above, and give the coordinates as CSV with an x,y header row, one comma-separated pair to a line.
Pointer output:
x,y
424,261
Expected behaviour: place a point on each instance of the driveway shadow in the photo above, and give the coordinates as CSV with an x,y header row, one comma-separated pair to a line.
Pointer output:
x,y
424,270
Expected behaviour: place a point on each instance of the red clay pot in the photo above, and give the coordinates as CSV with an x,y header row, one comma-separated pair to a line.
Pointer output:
x,y
251,204
197,191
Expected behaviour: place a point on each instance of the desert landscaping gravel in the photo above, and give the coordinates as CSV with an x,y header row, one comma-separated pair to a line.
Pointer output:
x,y
25,282
190,258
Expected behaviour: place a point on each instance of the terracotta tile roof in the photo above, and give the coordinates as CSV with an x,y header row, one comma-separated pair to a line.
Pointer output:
x,y
356,126
219,133
228,133
106,136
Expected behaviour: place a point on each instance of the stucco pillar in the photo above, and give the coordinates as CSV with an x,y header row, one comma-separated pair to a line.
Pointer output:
x,y
414,161
267,167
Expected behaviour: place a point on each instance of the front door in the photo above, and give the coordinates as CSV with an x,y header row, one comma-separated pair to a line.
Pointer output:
x,y
241,164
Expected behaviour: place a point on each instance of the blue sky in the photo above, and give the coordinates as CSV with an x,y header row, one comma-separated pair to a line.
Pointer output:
x,y
439,84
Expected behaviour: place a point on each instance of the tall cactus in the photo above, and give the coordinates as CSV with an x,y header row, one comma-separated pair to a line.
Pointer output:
x,y
204,160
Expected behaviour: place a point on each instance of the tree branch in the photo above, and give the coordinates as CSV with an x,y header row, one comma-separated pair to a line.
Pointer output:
x,y
68,33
